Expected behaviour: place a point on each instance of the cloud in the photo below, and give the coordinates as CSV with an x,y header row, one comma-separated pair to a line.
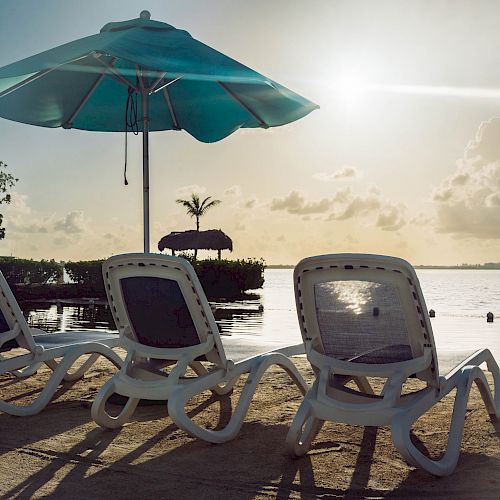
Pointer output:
x,y
357,206
19,217
346,172
250,203
342,195
351,239
294,203
62,241
346,205
33,228
468,200
421,219
72,223
486,145
443,194
391,218
187,191
233,191
19,204
386,216
112,241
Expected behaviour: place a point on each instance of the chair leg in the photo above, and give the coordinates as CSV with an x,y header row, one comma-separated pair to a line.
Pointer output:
x,y
218,390
27,371
80,372
179,398
363,385
304,427
102,417
59,372
402,423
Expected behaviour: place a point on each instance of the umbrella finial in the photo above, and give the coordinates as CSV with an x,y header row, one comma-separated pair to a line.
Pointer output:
x,y
145,14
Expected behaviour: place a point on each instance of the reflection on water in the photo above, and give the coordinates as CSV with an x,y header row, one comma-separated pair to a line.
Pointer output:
x,y
461,293
54,317
240,317
460,298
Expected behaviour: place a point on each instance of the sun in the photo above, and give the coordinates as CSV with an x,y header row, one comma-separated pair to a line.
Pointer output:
x,y
347,89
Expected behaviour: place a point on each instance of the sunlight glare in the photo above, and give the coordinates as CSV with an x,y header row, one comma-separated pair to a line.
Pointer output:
x,y
349,89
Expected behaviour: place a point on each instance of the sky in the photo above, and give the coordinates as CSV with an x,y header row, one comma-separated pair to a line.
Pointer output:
x,y
402,158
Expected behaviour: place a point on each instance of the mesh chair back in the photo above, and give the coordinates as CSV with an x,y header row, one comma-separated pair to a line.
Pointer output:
x,y
364,309
160,301
158,312
4,326
6,343
10,317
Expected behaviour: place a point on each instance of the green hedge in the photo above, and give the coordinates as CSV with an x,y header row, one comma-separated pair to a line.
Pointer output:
x,y
30,272
219,278
87,273
229,278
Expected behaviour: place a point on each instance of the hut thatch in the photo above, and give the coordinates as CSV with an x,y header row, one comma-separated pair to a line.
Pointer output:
x,y
213,239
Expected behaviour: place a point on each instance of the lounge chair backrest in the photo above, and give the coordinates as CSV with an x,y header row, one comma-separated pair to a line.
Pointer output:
x,y
364,308
158,301
13,325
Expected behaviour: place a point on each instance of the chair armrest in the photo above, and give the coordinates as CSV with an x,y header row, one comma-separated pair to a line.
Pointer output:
x,y
405,368
191,352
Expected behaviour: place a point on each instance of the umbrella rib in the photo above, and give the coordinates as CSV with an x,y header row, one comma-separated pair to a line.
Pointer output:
x,y
166,84
160,77
69,122
122,79
171,108
38,75
262,123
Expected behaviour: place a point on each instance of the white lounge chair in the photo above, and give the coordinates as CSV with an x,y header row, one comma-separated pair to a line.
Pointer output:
x,y
164,320
365,315
59,351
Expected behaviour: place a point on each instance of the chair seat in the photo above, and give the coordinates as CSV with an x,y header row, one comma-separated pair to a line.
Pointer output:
x,y
52,340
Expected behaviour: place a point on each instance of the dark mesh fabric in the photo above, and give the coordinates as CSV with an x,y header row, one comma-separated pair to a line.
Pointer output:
x,y
362,321
158,312
4,327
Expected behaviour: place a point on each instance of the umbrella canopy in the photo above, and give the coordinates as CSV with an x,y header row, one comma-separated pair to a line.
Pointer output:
x,y
213,239
181,84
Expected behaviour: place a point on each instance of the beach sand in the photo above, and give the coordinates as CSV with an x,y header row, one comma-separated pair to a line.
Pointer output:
x,y
62,453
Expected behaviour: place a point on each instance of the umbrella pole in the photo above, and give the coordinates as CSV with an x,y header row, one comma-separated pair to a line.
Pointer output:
x,y
145,165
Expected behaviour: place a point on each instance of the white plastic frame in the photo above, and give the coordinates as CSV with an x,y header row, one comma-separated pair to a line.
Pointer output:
x,y
333,402
139,378
59,359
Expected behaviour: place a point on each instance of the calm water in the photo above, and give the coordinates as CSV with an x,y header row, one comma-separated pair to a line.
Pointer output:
x,y
461,299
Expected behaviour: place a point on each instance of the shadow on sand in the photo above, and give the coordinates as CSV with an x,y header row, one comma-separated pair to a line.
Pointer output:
x,y
170,465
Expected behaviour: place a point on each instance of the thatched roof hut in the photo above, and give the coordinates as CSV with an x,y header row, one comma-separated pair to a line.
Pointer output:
x,y
213,239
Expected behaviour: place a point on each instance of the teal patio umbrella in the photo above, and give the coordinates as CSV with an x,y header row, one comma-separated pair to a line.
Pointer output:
x,y
146,76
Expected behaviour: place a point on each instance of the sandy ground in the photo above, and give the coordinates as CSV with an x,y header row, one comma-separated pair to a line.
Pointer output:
x,y
62,453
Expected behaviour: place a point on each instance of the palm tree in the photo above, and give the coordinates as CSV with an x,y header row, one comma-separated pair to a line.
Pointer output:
x,y
197,209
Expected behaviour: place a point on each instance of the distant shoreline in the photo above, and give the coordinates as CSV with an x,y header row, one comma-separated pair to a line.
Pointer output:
x,y
495,266
479,267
